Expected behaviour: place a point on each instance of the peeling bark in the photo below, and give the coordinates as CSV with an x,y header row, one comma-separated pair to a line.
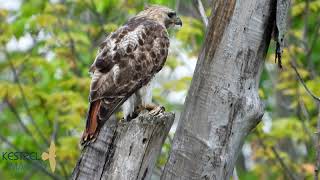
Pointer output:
x,y
124,150
223,105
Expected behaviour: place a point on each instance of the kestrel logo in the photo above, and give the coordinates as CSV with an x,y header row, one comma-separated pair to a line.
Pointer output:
x,y
51,156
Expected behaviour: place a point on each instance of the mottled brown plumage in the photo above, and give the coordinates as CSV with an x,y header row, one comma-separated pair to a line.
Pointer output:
x,y
126,61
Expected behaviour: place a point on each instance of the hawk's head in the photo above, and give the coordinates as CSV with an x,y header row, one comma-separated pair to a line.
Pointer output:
x,y
162,15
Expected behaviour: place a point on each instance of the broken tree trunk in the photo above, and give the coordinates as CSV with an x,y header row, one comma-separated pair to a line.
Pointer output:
x,y
223,105
124,150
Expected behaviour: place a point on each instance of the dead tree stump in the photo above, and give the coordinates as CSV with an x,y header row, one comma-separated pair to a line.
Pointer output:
x,y
124,150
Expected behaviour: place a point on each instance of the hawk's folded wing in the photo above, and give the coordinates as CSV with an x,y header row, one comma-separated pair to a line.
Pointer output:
x,y
126,61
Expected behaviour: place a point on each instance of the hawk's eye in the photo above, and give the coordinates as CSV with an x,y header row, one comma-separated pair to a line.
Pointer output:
x,y
171,14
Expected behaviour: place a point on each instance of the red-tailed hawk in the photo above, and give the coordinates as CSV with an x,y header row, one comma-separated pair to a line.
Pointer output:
x,y
126,62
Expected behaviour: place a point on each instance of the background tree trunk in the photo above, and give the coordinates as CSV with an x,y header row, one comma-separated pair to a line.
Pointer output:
x,y
124,150
223,105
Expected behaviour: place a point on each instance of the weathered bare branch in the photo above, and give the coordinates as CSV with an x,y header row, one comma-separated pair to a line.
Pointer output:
x,y
222,105
199,5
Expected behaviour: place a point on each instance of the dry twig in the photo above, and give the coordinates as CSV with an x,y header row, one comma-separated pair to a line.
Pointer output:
x,y
202,12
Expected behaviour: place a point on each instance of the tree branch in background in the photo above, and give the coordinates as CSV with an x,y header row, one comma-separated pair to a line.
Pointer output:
x,y
55,130
24,127
93,8
313,43
307,118
177,6
24,100
30,174
283,165
202,11
292,64
74,53
305,28
304,118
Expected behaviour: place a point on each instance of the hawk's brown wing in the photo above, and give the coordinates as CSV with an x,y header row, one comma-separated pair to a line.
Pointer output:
x,y
126,61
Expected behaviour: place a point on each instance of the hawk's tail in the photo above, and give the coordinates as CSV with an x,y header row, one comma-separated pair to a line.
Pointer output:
x,y
92,124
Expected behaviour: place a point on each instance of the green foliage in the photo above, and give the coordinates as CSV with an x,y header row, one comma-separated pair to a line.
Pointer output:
x,y
51,85
293,112
192,31
44,89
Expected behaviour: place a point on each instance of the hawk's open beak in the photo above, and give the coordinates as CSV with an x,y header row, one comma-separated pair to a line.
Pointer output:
x,y
178,21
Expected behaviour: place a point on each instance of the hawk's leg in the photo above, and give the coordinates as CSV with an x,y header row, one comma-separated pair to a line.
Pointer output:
x,y
141,101
129,108
145,97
